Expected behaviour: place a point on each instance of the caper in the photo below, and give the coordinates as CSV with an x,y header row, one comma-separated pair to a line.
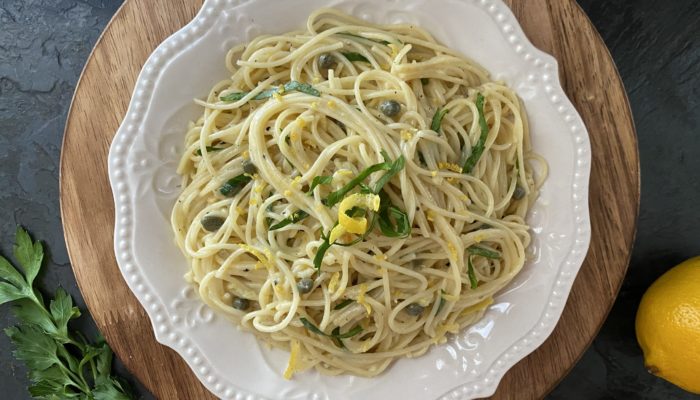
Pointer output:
x,y
212,223
414,309
240,303
326,61
249,168
519,192
305,285
390,108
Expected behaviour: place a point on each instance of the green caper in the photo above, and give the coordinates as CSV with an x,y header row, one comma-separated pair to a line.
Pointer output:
x,y
414,309
212,223
305,285
326,61
390,108
240,303
249,168
519,192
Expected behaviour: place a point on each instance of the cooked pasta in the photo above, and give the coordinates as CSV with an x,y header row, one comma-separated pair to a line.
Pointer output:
x,y
355,192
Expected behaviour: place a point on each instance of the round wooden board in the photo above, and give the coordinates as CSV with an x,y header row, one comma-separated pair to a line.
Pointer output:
x,y
588,75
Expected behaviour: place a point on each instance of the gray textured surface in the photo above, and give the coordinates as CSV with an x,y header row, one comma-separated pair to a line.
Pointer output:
x,y
44,44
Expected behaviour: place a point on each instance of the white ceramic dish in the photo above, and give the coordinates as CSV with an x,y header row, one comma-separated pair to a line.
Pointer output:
x,y
230,363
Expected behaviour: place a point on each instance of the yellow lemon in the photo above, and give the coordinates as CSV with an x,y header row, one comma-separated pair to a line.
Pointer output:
x,y
668,326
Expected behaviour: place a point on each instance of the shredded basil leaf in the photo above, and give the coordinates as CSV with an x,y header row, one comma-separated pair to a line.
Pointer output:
x,y
301,87
387,212
352,35
339,194
364,189
479,146
437,119
442,302
319,180
267,93
209,149
234,185
394,169
472,275
352,56
356,212
343,304
480,251
424,81
334,334
322,249
292,219
352,332
308,325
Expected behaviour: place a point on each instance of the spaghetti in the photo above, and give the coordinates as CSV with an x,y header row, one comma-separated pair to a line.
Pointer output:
x,y
354,192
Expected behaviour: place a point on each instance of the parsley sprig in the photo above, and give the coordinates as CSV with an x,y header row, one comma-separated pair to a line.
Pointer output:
x,y
62,364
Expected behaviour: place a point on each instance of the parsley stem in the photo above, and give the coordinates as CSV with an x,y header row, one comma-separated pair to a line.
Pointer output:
x,y
77,381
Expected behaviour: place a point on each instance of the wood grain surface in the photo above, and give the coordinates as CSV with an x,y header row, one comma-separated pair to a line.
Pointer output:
x,y
558,27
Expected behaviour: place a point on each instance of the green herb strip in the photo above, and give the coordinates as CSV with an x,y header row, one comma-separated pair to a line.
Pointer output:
x,y
267,93
479,146
209,149
343,304
322,249
388,212
399,229
480,251
352,56
437,119
319,180
234,185
352,35
424,81
61,363
394,169
472,275
308,325
335,335
352,332
292,219
364,189
442,302
335,197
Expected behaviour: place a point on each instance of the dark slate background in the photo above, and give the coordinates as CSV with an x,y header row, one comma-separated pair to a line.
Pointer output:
x,y
44,44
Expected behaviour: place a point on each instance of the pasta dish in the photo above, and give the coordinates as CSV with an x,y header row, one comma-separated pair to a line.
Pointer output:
x,y
353,193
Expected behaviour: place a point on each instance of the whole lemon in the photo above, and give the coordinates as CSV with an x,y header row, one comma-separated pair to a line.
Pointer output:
x,y
668,326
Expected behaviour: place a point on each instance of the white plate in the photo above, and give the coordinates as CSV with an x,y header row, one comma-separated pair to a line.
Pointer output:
x,y
230,363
